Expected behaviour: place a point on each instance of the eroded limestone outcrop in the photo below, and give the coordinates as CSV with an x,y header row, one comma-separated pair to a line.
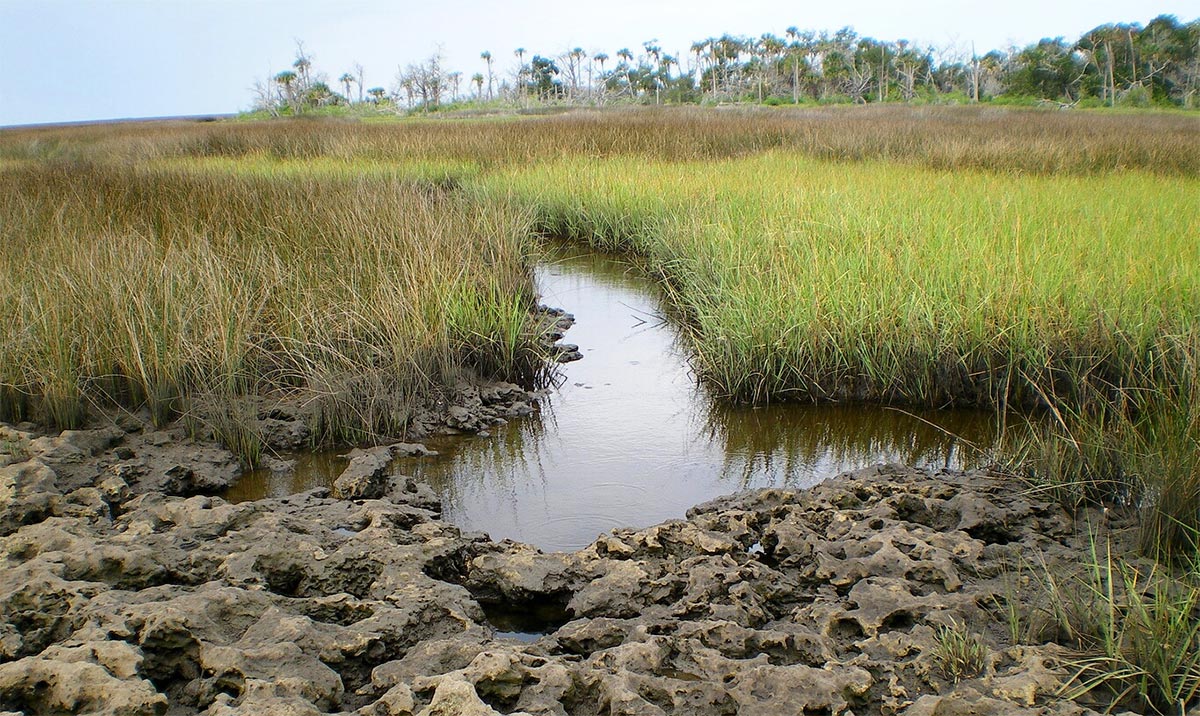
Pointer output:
x,y
118,598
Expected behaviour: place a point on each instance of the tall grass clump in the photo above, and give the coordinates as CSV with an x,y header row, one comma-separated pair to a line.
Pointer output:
x,y
187,291
1145,457
817,281
1135,627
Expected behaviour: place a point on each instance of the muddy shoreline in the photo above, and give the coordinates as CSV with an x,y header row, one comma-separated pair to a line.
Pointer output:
x,y
124,591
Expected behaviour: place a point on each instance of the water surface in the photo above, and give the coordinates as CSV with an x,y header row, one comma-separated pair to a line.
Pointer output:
x,y
628,438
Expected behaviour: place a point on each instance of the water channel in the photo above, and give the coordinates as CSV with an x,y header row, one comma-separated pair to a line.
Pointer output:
x,y
628,438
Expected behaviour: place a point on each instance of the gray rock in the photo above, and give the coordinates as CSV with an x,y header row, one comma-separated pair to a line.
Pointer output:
x,y
28,493
118,598
89,679
366,477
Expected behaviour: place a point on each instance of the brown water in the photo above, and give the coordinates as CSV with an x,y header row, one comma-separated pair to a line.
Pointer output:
x,y
316,469
629,439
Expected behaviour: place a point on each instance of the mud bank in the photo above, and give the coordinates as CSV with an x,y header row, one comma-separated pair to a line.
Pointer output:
x,y
119,598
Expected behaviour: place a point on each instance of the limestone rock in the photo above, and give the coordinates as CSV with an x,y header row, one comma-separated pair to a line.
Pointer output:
x,y
366,477
119,597
28,493
69,684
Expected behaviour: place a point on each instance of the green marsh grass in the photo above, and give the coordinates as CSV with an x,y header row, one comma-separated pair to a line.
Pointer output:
x,y
1137,631
184,290
811,280
929,256
958,652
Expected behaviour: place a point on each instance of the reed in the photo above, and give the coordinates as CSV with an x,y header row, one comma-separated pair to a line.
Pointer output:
x,y
992,139
187,290
810,280
930,256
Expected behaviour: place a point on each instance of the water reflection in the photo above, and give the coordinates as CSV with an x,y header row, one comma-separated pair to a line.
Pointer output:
x,y
295,473
629,440
797,445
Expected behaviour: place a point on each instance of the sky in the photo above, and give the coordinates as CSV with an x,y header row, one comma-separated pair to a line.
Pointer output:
x,y
79,60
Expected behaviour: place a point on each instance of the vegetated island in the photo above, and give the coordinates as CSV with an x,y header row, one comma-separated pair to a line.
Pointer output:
x,y
1112,65
186,299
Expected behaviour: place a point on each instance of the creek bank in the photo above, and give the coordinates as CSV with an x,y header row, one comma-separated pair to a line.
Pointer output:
x,y
176,460
118,598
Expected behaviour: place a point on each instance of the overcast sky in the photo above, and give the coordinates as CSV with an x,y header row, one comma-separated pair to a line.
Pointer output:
x,y
70,60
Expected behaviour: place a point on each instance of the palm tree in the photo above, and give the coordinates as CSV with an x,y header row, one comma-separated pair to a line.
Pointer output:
x,y
302,65
726,52
487,57
772,49
793,51
662,75
347,79
654,51
520,53
625,55
698,49
711,45
287,79
477,80
318,95
600,58
576,56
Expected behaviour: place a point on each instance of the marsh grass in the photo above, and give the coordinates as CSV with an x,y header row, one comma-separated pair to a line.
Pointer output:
x,y
928,256
1139,634
1131,625
980,138
1140,454
187,290
817,281
958,652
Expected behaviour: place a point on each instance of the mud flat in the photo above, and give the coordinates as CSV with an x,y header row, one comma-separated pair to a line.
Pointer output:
x,y
122,594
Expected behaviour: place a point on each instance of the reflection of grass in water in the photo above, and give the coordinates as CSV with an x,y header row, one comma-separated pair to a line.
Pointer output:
x,y
511,457
785,444
188,290
311,470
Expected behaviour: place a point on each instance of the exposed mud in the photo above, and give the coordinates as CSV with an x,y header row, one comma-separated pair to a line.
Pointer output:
x,y
127,590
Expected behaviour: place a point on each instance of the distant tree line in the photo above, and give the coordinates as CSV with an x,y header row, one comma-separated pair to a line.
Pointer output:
x,y
1111,65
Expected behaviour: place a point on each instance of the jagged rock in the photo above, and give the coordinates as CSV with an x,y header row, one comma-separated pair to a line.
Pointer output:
x,y
411,450
28,493
284,434
969,702
366,477
396,701
458,698
82,680
118,598
75,445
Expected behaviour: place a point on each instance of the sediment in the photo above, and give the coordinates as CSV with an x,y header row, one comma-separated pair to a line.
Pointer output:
x,y
127,590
